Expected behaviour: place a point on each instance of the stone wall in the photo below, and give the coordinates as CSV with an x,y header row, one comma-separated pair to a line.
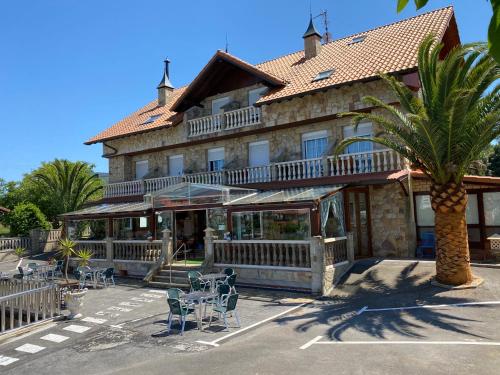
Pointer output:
x,y
285,144
391,221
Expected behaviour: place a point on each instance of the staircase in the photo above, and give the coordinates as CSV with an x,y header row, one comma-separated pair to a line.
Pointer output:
x,y
179,277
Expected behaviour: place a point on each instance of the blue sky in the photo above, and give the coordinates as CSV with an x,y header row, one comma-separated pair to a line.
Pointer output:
x,y
69,69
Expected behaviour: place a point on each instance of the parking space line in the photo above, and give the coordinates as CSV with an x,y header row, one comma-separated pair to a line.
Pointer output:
x,y
5,361
309,343
480,343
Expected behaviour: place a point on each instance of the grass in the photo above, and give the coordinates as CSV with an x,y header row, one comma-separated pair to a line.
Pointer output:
x,y
191,262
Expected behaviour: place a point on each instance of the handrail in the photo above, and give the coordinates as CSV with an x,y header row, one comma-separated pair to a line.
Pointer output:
x,y
25,292
183,245
298,242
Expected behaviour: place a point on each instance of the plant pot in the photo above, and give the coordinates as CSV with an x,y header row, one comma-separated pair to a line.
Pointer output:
x,y
74,302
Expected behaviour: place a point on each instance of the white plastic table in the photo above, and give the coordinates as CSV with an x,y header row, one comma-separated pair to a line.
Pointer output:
x,y
199,298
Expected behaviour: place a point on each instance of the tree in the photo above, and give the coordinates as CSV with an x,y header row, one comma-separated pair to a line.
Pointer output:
x,y
441,131
25,217
66,185
493,29
494,161
66,249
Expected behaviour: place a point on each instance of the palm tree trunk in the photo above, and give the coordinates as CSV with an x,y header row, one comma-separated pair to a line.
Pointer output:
x,y
452,245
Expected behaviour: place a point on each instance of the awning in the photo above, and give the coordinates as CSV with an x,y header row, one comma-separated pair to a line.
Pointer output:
x,y
111,208
286,195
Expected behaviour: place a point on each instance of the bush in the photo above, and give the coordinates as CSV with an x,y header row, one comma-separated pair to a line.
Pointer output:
x,y
24,217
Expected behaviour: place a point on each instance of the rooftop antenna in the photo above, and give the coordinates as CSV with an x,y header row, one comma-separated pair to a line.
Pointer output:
x,y
327,37
227,45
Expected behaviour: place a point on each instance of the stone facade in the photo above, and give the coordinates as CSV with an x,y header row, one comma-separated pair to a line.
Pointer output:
x,y
284,144
392,226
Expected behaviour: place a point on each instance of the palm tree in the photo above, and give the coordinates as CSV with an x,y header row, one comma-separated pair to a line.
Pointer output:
x,y
441,130
70,184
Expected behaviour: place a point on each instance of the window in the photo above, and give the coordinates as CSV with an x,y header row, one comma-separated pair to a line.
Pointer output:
x,y
425,214
131,228
217,104
323,75
258,153
357,39
491,203
215,159
272,225
314,144
176,165
255,94
141,169
94,230
151,119
363,130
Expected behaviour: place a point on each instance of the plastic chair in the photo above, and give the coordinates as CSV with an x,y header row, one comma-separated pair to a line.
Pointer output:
x,y
181,310
58,270
427,242
108,275
28,274
196,283
231,281
228,271
227,305
174,293
80,276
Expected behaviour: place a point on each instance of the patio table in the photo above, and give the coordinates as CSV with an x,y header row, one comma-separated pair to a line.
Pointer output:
x,y
95,271
44,270
201,298
213,277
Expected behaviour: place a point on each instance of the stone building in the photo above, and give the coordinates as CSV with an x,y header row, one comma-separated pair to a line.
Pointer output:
x,y
268,130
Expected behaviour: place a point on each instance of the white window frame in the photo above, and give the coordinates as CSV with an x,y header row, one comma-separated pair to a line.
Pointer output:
x,y
210,167
224,99
171,157
312,136
259,91
141,162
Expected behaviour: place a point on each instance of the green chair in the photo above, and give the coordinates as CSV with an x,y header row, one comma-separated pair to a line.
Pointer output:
x,y
181,310
196,283
231,281
227,305
228,271
175,293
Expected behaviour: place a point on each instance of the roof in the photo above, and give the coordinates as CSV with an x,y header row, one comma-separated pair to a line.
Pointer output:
x,y
4,210
115,208
471,179
386,49
311,29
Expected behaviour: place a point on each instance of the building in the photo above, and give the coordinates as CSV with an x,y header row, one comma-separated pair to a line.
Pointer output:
x,y
247,150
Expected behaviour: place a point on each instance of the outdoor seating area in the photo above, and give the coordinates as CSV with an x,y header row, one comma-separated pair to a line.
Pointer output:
x,y
215,292
93,276
41,272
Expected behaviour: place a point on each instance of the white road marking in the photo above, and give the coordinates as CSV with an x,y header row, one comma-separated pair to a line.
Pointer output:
x,y
120,326
214,343
148,295
480,343
4,361
76,328
130,304
90,319
362,310
30,348
116,308
54,338
110,314
137,299
309,343
157,291
434,306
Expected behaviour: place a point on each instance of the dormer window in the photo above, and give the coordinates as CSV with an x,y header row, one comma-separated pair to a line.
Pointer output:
x,y
357,39
323,75
151,119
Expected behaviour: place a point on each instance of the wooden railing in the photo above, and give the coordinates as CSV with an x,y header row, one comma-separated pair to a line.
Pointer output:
x,y
12,243
263,253
335,250
27,302
343,165
146,251
98,248
241,117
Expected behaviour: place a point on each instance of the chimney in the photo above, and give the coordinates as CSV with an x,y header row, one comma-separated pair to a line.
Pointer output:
x,y
312,41
165,88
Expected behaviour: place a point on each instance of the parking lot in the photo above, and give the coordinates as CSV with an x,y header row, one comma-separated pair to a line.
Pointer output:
x,y
384,318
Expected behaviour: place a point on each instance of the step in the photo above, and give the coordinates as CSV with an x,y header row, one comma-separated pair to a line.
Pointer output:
x,y
181,268
166,279
157,284
174,273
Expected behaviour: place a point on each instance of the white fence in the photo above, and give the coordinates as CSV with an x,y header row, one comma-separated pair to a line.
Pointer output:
x,y
13,243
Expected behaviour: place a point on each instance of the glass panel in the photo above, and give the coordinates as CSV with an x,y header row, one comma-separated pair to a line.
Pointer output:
x,y
472,213
491,208
217,104
490,231
315,148
474,234
255,94
363,130
272,225
217,219
141,169
258,153
163,221
176,165
216,159
131,228
94,230
425,214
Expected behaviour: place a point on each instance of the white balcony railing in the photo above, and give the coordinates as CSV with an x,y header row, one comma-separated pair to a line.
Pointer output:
x,y
343,165
227,121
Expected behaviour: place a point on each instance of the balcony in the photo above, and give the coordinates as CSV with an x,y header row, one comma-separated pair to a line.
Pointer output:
x,y
230,120
329,166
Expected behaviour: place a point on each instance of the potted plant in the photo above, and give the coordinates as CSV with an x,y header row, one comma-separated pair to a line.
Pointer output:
x,y
19,252
73,298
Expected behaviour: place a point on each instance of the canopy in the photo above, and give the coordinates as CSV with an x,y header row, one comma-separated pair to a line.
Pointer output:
x,y
111,208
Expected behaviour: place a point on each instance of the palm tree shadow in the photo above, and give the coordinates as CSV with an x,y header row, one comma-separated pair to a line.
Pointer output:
x,y
410,287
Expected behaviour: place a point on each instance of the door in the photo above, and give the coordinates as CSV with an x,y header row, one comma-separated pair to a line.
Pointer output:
x,y
358,221
141,169
176,165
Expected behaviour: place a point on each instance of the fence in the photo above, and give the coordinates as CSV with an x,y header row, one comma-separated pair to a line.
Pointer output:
x,y
335,250
15,242
98,248
263,253
23,303
39,240
148,251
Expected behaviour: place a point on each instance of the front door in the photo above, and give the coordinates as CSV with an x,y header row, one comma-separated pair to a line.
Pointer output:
x,y
189,230
358,221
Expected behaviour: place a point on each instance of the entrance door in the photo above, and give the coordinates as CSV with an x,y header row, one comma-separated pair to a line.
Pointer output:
x,y
358,221
189,230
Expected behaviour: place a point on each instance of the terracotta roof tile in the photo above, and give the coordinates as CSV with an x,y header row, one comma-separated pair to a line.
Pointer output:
x,y
386,49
